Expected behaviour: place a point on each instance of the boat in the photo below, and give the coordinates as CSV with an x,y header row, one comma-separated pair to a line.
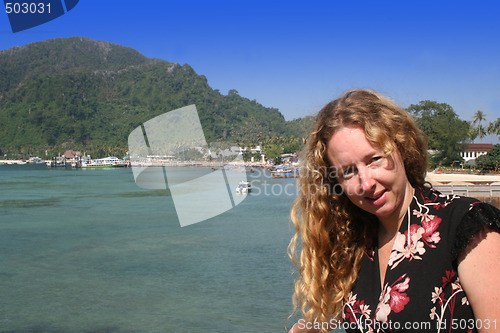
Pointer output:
x,y
56,162
284,172
35,160
244,187
107,162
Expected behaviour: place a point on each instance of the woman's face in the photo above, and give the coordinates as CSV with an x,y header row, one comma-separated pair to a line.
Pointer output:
x,y
371,179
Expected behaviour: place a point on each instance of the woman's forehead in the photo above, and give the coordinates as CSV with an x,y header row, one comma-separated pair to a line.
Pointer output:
x,y
349,144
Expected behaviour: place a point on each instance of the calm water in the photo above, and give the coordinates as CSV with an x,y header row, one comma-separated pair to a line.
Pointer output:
x,y
90,251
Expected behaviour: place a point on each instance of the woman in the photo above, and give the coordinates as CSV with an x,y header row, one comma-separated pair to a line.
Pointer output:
x,y
379,250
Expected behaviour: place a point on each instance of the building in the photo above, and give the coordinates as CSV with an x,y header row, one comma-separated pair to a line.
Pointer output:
x,y
474,150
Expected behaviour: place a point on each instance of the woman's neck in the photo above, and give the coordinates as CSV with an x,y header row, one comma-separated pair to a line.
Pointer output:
x,y
389,226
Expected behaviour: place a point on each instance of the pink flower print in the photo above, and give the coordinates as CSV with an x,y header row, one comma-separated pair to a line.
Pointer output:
x,y
398,298
365,310
433,313
410,250
437,295
383,307
356,307
456,285
392,298
351,299
430,224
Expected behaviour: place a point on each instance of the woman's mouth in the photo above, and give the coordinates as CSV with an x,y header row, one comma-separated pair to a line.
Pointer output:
x,y
377,198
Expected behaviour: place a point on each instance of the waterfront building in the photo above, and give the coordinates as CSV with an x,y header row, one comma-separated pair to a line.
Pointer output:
x,y
474,150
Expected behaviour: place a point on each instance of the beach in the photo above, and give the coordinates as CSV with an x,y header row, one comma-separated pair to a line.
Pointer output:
x,y
436,178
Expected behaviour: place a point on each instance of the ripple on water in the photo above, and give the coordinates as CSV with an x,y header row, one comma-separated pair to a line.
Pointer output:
x,y
29,203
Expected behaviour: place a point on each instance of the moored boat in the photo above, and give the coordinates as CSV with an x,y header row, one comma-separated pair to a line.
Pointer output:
x,y
107,162
244,187
284,172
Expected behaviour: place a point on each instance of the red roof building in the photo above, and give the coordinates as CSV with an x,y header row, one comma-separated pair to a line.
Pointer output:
x,y
474,150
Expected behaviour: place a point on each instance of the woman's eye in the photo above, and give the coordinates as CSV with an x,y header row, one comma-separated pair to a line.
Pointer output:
x,y
376,160
348,171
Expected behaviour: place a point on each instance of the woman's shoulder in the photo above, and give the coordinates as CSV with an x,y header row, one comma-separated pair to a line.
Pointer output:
x,y
445,203
465,216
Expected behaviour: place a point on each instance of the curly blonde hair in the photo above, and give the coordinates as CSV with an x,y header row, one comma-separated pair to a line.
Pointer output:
x,y
333,231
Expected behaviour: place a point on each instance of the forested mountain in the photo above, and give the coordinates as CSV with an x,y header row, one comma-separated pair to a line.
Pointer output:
x,y
80,93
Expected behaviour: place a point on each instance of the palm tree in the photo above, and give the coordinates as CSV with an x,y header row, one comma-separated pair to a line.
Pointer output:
x,y
479,116
494,128
472,132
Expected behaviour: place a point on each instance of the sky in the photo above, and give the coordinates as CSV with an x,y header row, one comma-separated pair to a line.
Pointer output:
x,y
298,55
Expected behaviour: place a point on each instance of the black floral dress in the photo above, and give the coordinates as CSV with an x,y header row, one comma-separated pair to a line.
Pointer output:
x,y
422,291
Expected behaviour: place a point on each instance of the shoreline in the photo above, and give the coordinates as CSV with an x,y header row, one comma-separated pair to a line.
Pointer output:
x,y
163,164
461,179
432,177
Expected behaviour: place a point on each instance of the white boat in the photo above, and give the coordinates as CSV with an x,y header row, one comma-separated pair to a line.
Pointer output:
x,y
107,162
59,161
284,172
244,187
35,160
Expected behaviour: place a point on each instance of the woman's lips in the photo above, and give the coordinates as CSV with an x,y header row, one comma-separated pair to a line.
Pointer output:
x,y
378,198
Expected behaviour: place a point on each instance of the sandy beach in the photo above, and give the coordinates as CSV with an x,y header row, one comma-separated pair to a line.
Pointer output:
x,y
461,179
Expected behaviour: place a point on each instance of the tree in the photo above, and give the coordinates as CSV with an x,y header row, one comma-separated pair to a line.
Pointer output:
x,y
479,117
473,132
494,127
445,131
490,160
273,152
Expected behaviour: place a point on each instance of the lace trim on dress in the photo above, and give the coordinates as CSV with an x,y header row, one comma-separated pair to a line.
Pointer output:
x,y
480,216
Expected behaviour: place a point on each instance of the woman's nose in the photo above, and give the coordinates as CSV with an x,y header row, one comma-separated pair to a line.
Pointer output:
x,y
367,180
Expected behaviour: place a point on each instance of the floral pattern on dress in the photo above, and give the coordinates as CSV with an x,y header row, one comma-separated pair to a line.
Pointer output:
x,y
357,307
392,298
418,256
442,303
411,245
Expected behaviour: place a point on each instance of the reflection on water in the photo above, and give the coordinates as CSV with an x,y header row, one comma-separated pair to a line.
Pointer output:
x,y
89,251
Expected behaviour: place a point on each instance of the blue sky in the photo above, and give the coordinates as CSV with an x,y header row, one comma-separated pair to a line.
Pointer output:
x,y
297,55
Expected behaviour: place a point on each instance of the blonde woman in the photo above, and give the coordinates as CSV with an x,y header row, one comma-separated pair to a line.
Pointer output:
x,y
377,249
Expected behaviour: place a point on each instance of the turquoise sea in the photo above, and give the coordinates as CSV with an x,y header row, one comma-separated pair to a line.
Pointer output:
x,y
90,251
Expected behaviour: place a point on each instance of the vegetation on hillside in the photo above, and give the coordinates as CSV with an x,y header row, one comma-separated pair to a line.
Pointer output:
x,y
81,94
89,95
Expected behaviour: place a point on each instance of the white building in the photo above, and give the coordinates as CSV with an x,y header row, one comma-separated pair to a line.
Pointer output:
x,y
474,150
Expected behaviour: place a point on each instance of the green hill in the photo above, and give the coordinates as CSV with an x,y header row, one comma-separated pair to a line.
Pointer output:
x,y
79,93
